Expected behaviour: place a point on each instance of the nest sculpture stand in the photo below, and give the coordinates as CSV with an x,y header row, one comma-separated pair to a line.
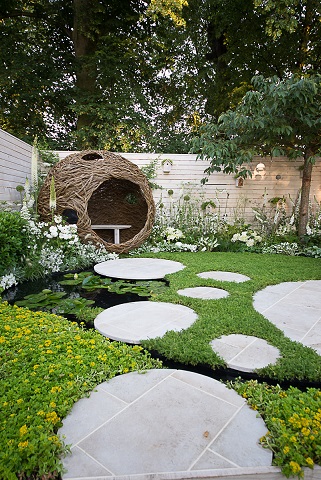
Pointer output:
x,y
106,195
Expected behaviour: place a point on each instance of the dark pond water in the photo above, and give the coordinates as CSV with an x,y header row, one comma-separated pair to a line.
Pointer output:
x,y
101,297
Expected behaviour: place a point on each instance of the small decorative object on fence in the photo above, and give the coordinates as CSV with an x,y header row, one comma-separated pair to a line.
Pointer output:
x,y
109,196
167,165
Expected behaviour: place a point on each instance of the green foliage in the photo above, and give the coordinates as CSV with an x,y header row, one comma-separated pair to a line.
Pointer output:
x,y
47,364
86,315
90,282
13,239
277,117
56,302
100,89
45,300
150,171
293,419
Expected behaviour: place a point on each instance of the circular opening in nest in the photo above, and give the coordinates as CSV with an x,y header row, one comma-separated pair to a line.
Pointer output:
x,y
118,202
91,156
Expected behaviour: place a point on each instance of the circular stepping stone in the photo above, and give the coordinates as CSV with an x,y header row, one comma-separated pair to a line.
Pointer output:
x,y
294,308
168,423
138,268
244,352
136,321
205,293
224,276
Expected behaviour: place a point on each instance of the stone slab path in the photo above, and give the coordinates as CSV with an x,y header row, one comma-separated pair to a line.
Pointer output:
x,y
224,276
138,268
136,321
162,422
204,293
245,353
295,308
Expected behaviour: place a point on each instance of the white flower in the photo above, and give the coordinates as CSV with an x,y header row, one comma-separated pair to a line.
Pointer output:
x,y
51,259
53,231
250,242
243,237
57,218
8,281
171,233
235,237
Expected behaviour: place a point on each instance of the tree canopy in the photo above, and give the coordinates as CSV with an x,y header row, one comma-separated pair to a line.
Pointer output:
x,y
277,117
98,74
140,74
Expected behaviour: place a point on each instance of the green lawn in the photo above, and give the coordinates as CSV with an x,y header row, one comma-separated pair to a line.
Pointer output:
x,y
235,313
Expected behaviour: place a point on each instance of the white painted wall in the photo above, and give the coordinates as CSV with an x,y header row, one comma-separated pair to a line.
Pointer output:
x,y
187,172
15,166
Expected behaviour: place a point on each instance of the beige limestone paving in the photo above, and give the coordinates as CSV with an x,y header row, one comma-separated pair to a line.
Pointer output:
x,y
159,422
245,353
138,268
205,293
224,276
295,308
136,321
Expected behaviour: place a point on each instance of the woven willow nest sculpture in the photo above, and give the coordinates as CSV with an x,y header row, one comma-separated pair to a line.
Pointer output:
x,y
99,189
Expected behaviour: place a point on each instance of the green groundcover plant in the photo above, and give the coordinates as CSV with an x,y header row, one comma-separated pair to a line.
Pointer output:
x,y
235,313
47,364
293,419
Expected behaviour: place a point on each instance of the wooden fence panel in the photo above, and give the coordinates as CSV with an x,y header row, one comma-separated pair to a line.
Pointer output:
x,y
280,179
15,166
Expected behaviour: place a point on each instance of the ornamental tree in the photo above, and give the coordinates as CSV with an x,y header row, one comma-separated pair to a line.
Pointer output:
x,y
277,118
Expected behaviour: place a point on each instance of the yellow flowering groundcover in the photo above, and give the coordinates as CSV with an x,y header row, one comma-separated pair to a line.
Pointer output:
x,y
293,419
46,364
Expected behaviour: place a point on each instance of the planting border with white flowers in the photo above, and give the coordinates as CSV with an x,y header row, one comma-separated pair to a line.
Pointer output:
x,y
188,225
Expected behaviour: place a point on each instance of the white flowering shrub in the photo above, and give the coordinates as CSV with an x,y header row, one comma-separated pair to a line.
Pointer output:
x,y
52,247
314,225
89,254
249,238
314,252
172,234
51,259
164,247
208,244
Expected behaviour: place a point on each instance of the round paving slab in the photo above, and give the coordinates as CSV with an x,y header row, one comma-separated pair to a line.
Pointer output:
x,y
295,308
164,421
224,276
244,352
138,268
136,321
205,293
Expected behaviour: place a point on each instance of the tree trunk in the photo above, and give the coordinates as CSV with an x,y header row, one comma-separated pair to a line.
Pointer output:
x,y
310,13
305,195
84,47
